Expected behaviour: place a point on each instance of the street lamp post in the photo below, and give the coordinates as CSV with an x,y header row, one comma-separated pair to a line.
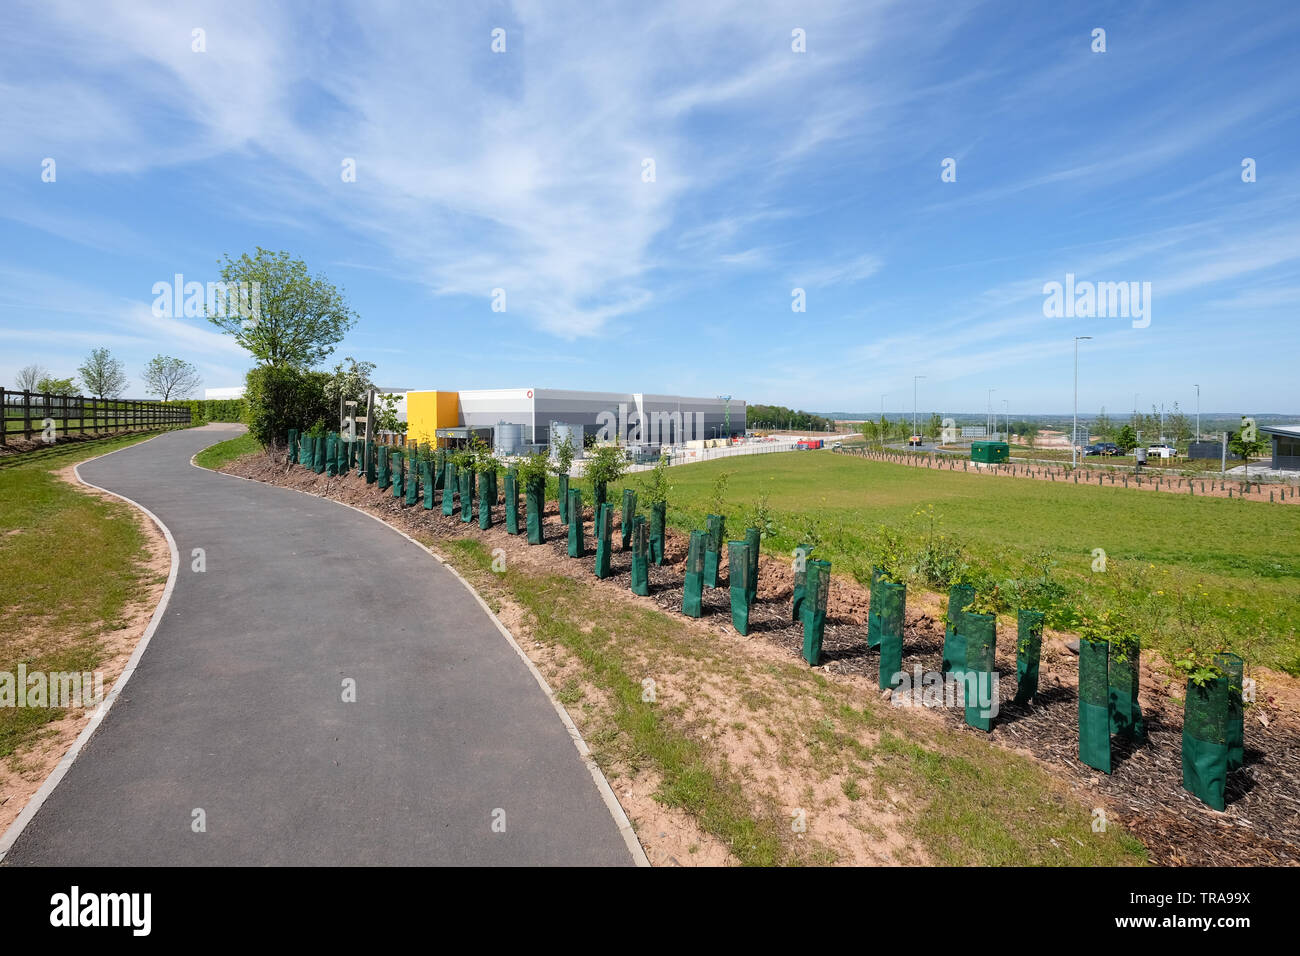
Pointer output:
x,y
1074,435
1006,418
989,427
1198,413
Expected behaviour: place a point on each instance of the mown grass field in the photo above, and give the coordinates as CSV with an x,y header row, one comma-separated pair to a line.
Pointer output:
x,y
71,563
1230,567
214,456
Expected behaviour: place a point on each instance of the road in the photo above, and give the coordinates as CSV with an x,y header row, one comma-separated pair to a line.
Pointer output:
x,y
235,718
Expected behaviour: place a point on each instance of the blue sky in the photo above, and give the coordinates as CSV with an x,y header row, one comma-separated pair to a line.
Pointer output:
x,y
774,170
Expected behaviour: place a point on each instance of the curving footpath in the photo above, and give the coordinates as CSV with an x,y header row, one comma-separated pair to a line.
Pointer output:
x,y
236,708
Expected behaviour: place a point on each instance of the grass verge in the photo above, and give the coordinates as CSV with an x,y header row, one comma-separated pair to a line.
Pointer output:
x,y
73,563
877,784
224,452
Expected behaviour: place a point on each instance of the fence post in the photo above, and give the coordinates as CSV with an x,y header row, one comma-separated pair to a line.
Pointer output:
x,y
27,415
4,418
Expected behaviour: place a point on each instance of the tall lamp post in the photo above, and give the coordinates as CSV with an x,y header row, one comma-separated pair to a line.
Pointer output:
x,y
1006,417
1074,435
1198,412
988,418
914,378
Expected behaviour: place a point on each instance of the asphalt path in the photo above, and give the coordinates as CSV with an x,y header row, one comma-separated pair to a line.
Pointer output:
x,y
232,743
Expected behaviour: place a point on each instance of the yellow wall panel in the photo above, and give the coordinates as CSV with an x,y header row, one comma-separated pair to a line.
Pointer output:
x,y
427,411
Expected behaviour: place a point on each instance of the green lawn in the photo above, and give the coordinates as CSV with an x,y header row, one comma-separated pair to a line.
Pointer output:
x,y
1236,564
223,452
71,564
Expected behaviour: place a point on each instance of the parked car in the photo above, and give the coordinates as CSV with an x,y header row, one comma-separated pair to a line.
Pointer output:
x,y
1161,451
1108,448
1093,450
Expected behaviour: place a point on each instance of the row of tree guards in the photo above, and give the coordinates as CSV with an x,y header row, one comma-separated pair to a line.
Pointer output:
x,y
1213,722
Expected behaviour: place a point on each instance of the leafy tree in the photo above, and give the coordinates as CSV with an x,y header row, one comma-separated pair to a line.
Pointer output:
x,y
934,426
1247,448
28,376
655,488
170,377
297,318
56,386
104,375
1104,427
719,499
606,464
564,454
282,398
384,412
1126,439
350,382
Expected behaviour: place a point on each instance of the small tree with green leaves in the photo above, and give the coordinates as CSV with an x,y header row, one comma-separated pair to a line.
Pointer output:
x,y
57,386
605,465
170,377
564,455
655,488
719,498
104,375
1247,447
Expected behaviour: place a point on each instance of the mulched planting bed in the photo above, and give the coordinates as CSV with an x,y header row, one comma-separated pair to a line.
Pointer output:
x,y
1144,792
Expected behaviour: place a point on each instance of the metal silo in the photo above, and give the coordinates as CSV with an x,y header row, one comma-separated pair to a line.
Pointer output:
x,y
575,434
507,438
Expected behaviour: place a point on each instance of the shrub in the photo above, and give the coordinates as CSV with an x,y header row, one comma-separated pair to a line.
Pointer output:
x,y
606,464
283,398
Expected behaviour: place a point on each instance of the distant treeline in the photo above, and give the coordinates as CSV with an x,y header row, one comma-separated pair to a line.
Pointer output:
x,y
778,416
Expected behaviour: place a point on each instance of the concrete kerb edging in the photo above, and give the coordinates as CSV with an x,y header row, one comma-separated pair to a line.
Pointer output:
x,y
64,765
602,785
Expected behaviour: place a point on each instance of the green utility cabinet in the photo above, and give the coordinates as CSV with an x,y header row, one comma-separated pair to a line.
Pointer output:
x,y
990,452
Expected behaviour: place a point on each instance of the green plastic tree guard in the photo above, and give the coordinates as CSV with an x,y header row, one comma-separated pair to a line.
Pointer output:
x,y
893,603
802,554
817,591
738,584
874,605
1029,649
371,467
713,549
753,538
1205,741
604,539
693,589
466,495
1235,668
318,455
426,482
600,491
629,511
577,535
563,498
331,455
978,677
658,519
449,490
341,466
381,453
485,502
534,500
640,557
1094,709
954,644
293,445
397,469
512,501
412,482
1122,693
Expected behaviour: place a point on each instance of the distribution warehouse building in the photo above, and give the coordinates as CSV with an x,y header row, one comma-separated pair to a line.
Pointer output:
x,y
524,416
